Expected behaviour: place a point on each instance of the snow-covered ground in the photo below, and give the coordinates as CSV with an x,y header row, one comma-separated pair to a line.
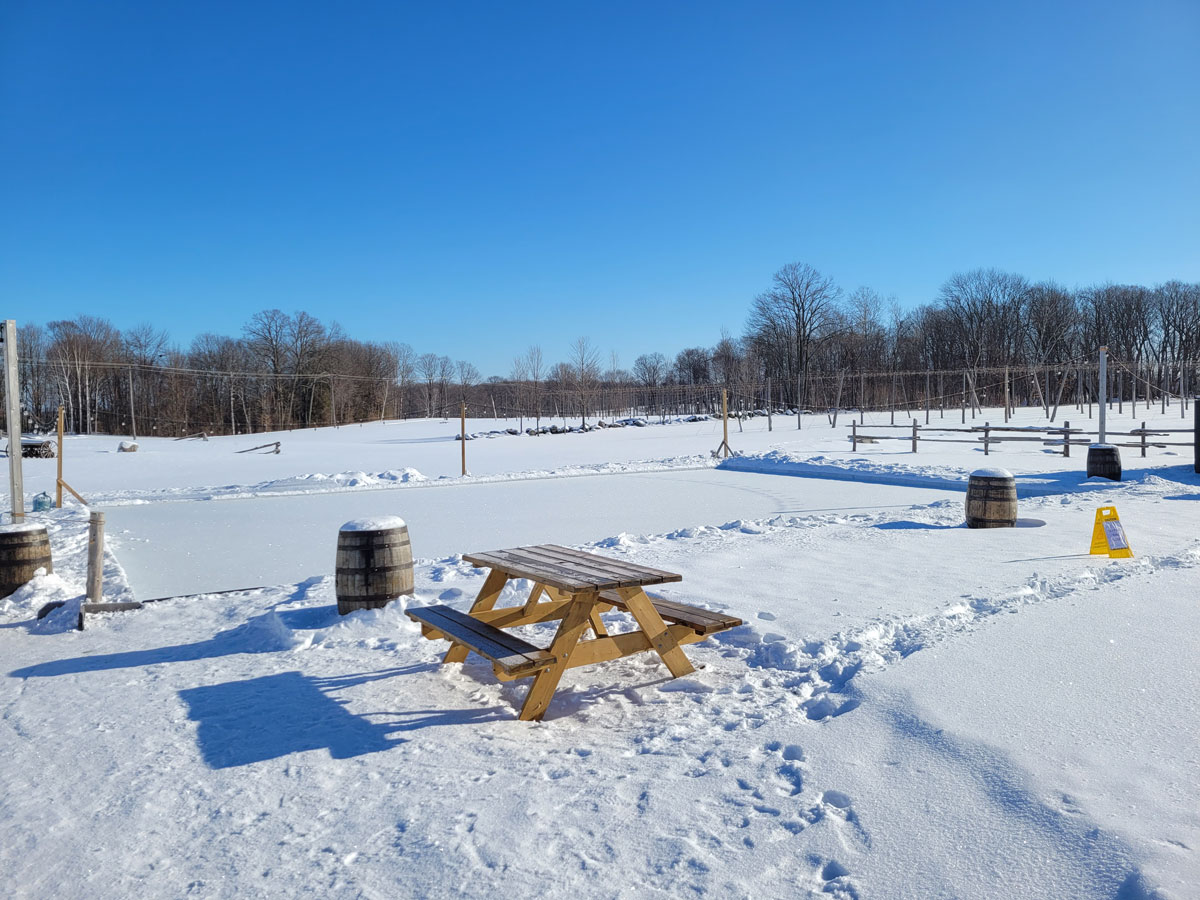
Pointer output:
x,y
913,709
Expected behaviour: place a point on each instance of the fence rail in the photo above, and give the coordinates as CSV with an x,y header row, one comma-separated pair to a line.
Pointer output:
x,y
989,434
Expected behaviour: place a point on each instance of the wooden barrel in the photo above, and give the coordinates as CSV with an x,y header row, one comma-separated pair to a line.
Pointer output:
x,y
23,550
374,563
1104,461
991,499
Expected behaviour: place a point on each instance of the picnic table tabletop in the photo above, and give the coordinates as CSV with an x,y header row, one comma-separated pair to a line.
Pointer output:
x,y
570,570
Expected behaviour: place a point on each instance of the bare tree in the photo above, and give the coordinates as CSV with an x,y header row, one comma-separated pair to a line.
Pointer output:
x,y
584,362
791,315
428,367
468,377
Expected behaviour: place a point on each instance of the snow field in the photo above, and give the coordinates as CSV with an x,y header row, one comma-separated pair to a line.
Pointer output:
x,y
913,709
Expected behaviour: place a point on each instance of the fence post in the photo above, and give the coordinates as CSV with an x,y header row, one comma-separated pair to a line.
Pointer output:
x,y
1196,434
463,435
853,435
914,435
1143,440
1066,438
95,566
986,426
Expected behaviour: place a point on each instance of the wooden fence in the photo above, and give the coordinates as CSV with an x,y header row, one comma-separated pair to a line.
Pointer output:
x,y
989,434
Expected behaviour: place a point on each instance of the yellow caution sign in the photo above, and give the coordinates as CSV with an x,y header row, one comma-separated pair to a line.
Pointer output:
x,y
1108,535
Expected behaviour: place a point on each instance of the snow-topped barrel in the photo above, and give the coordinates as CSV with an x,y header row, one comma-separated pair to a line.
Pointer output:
x,y
24,548
1104,461
991,499
374,563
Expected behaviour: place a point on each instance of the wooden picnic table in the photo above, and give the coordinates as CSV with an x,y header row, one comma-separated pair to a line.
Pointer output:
x,y
573,588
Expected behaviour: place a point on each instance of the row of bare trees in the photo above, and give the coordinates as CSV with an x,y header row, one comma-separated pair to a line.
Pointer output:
x,y
284,371
807,344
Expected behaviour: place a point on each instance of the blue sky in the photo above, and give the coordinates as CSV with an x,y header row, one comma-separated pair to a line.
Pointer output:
x,y
475,178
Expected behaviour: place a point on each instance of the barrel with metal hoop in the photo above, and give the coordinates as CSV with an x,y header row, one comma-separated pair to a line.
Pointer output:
x,y
374,563
991,499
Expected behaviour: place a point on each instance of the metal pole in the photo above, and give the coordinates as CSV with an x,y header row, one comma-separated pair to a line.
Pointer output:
x,y
725,419
132,416
799,405
58,484
12,401
95,569
463,434
1196,434
1103,398
769,428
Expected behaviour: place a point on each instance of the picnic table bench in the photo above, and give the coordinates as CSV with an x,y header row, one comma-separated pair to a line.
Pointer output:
x,y
573,588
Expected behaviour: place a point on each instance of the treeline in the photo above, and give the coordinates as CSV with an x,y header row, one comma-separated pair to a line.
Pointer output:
x,y
806,344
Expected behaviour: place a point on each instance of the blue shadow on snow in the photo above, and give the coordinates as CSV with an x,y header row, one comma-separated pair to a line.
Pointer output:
x,y
243,722
1102,863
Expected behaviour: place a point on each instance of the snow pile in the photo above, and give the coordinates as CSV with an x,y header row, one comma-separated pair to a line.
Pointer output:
x,y
379,523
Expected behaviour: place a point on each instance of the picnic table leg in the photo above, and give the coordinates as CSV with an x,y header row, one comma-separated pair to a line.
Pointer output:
x,y
488,595
546,681
598,628
651,623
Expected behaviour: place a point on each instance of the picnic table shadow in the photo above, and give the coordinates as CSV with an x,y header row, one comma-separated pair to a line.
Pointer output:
x,y
263,633
272,716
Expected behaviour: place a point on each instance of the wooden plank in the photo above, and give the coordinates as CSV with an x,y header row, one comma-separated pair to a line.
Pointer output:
x,y
587,572
521,568
484,600
571,570
621,645
702,621
506,650
577,560
546,682
624,565
604,563
598,628
514,616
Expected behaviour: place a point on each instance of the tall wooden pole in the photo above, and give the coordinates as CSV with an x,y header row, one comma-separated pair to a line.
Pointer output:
x,y
1102,400
926,396
12,402
799,403
132,414
463,434
725,419
59,483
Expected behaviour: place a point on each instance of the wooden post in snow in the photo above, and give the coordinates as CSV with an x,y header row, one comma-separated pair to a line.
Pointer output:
x,y
769,405
59,483
12,403
95,558
725,419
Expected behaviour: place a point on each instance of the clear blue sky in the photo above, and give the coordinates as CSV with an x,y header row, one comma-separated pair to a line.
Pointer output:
x,y
475,177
